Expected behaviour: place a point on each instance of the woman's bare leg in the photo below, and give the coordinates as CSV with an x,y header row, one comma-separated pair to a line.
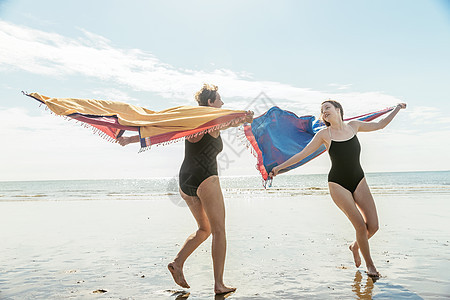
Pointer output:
x,y
210,194
193,241
366,205
344,200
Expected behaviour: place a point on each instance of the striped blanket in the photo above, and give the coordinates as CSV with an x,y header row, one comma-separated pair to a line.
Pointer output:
x,y
112,119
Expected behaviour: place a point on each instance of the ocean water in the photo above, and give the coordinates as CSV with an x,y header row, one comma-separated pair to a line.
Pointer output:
x,y
142,189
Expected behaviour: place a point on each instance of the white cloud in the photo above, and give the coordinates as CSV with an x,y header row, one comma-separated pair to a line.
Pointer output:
x,y
427,115
425,112
405,150
341,86
92,55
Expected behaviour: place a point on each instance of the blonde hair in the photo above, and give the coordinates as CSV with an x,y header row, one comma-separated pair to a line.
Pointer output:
x,y
336,105
207,92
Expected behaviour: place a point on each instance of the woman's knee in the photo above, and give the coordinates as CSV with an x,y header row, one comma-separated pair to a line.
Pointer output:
x,y
218,229
372,228
205,227
360,227
204,233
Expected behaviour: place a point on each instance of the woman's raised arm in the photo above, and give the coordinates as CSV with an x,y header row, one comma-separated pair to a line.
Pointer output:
x,y
372,126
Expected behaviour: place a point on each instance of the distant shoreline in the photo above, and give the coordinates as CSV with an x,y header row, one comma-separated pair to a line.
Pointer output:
x,y
228,176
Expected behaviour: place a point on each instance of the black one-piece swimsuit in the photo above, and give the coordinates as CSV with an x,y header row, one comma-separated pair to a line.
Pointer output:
x,y
345,166
199,162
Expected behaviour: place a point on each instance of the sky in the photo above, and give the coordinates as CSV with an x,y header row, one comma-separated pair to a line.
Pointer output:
x,y
294,54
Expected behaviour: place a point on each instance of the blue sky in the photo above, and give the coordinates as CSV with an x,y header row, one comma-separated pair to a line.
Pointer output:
x,y
366,54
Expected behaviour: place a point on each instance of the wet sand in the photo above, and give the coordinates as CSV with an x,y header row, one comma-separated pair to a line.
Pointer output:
x,y
278,248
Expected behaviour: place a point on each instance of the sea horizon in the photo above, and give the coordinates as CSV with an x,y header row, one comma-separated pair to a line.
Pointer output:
x,y
436,182
221,176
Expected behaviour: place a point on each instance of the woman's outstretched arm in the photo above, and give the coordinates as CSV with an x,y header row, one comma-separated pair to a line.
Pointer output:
x,y
315,143
248,119
372,126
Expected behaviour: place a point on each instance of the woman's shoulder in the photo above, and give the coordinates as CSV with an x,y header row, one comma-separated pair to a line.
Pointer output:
x,y
323,133
354,124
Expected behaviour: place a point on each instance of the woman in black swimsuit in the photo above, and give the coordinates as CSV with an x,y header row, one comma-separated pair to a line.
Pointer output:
x,y
200,188
346,181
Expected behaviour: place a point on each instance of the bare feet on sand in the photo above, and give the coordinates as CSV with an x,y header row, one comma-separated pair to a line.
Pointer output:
x,y
355,250
222,289
177,274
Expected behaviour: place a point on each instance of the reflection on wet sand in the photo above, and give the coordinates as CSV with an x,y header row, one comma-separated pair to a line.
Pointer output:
x,y
362,292
223,296
179,294
385,289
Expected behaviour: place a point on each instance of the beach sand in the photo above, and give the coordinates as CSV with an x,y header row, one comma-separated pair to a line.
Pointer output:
x,y
279,247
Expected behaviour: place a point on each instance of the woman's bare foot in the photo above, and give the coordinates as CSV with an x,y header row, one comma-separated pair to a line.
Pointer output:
x,y
355,250
177,274
372,272
222,289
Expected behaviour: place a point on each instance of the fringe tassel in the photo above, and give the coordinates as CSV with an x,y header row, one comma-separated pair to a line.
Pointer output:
x,y
83,124
144,149
267,183
243,139
97,132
